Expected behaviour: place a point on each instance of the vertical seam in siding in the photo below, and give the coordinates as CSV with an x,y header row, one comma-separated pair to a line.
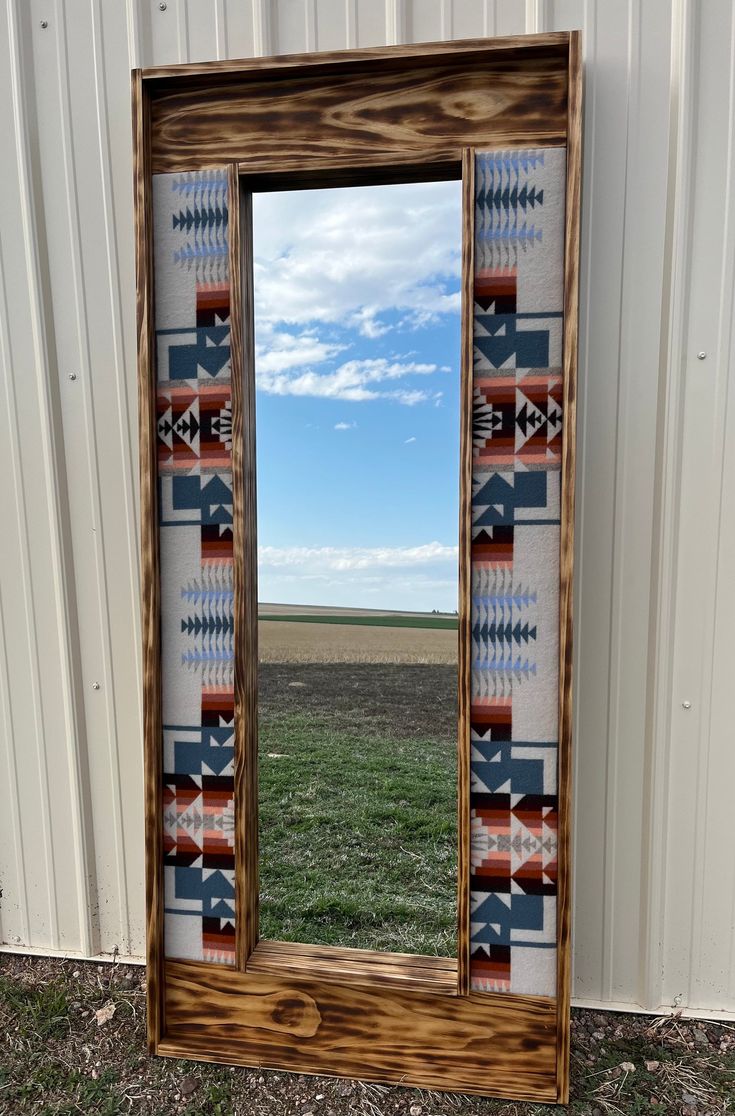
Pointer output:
x,y
134,34
220,29
350,23
261,28
395,22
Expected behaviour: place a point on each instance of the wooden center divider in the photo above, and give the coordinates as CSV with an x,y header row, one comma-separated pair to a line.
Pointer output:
x,y
356,966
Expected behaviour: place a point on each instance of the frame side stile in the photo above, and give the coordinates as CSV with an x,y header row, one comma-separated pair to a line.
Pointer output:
x,y
150,564
571,316
245,568
465,575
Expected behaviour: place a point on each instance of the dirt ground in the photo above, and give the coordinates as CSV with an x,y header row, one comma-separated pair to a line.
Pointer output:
x,y
283,640
415,700
73,1041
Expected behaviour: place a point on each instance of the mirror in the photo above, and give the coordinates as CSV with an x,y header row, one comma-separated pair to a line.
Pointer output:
x,y
357,305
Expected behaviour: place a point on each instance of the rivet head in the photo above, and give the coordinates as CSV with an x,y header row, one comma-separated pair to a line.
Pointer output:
x,y
686,705
701,355
44,23
72,375
95,685
162,6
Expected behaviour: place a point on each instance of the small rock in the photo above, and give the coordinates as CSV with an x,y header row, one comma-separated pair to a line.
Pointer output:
x,y
652,1066
344,1089
700,1037
319,1096
95,1074
187,1086
297,685
261,1081
415,1110
105,1014
599,1035
689,1099
627,1067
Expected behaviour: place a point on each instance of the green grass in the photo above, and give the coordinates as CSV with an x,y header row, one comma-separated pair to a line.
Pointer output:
x,y
56,1061
41,1011
379,621
358,835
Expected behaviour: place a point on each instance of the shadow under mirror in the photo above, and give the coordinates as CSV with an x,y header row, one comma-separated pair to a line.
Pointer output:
x,y
357,311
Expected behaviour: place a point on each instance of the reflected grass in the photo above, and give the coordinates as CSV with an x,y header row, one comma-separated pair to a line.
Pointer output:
x,y
357,833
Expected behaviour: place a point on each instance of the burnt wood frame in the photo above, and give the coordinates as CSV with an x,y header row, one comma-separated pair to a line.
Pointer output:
x,y
379,115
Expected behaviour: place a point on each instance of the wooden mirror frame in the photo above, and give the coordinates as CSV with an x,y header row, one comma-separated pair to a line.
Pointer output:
x,y
396,114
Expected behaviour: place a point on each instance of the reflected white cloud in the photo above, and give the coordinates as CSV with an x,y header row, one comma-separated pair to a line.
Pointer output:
x,y
346,267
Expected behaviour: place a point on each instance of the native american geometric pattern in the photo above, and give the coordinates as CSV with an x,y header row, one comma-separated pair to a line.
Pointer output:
x,y
192,300
517,429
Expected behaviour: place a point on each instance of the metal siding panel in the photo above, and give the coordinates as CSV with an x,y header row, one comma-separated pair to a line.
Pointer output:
x,y
372,21
166,32
427,21
600,277
203,29
98,411
238,28
641,307
291,26
334,23
67,294
469,18
508,18
48,847
108,249
698,928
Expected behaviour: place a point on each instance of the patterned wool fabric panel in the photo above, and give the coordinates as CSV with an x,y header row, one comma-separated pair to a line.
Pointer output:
x,y
517,427
194,443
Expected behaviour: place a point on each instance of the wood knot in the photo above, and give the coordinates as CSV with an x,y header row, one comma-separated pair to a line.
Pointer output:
x,y
292,1012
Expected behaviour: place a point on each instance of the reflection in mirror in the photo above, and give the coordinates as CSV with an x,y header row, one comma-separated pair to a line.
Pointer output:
x,y
357,376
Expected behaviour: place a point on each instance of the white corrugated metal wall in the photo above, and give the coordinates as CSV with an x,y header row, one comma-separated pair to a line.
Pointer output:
x,y
655,879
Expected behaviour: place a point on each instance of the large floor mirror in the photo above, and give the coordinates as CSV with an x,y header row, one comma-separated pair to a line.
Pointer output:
x,y
357,354
357,301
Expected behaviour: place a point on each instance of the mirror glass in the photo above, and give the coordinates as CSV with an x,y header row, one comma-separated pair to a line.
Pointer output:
x,y
357,429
